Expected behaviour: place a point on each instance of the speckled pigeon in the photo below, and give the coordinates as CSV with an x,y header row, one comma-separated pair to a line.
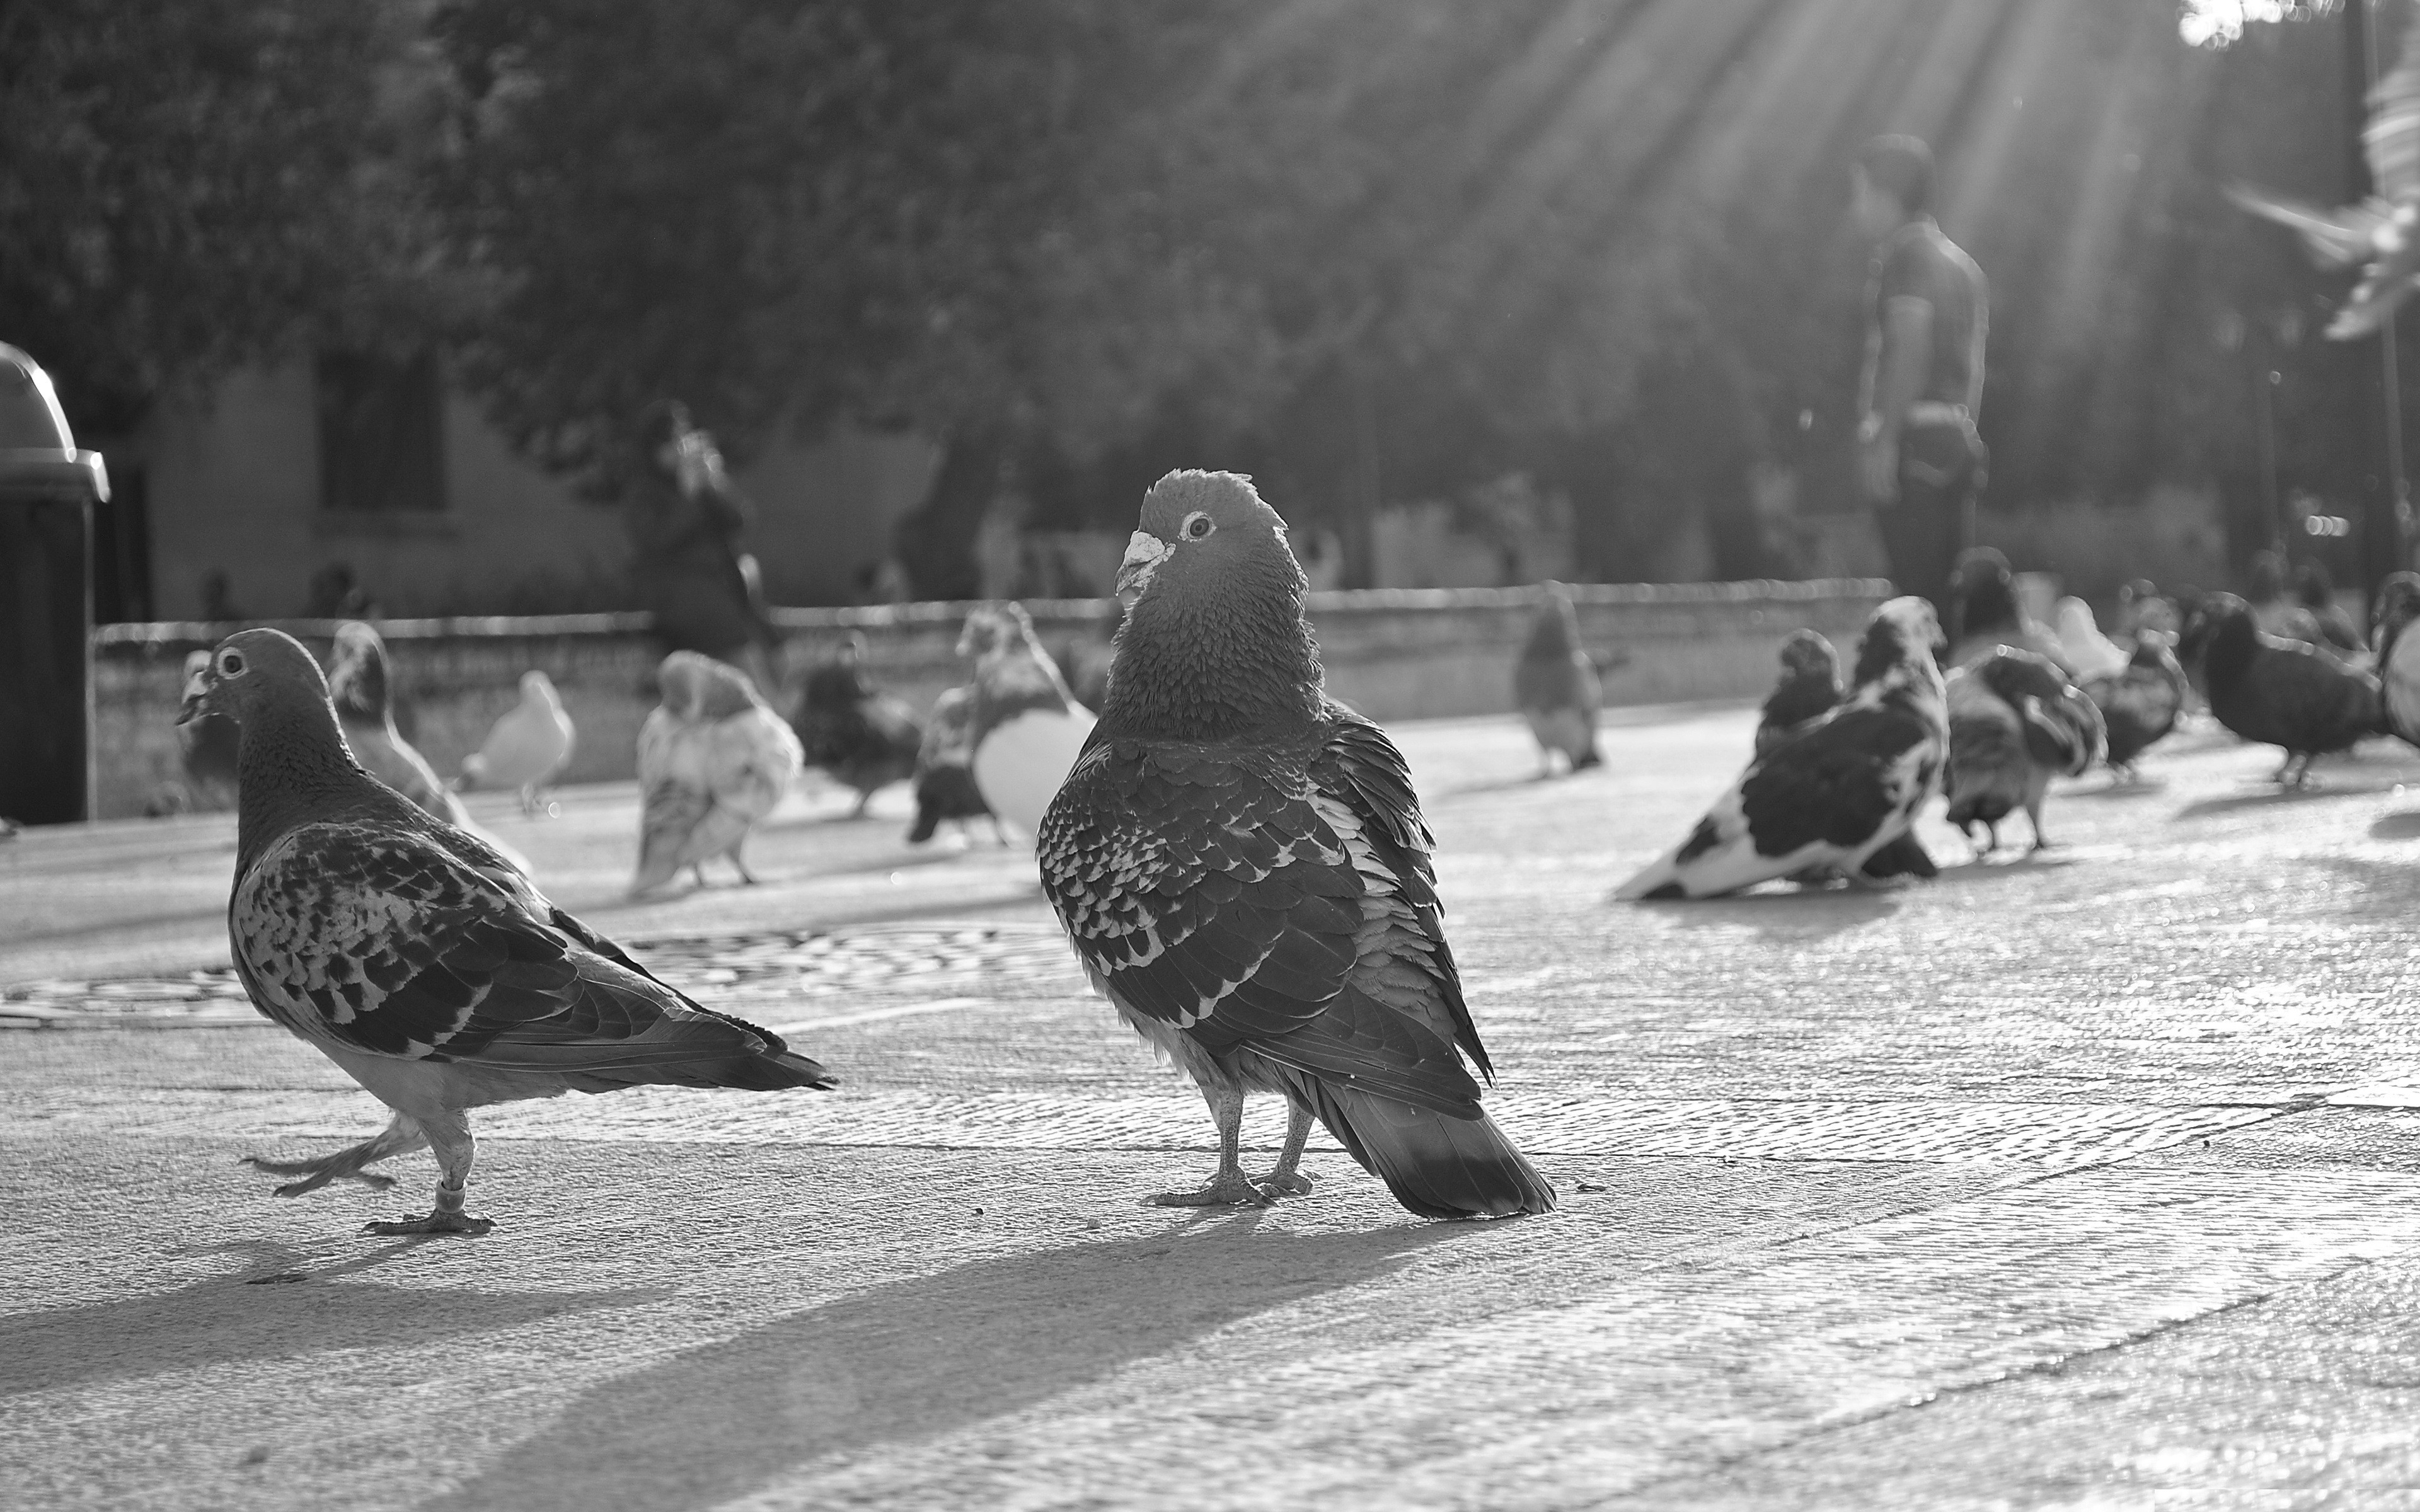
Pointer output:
x,y
1242,866
1836,797
419,961
1809,687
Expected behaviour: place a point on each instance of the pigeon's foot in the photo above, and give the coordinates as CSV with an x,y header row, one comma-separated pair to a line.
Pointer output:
x,y
440,1222
445,1218
1284,1184
1229,1189
344,1165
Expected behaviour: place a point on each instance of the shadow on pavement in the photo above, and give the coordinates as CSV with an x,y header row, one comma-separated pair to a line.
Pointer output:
x,y
1795,916
911,1360
2276,797
2401,825
233,1317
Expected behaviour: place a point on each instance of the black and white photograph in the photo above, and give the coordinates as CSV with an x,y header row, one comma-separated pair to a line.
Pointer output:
x,y
1204,755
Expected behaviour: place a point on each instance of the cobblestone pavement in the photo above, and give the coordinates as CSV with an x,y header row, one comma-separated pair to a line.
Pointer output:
x,y
2080,1181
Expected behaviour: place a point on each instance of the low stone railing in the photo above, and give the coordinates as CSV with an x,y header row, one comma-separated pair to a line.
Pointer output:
x,y
1395,653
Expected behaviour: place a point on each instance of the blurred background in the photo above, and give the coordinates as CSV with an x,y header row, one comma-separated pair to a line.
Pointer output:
x,y
364,302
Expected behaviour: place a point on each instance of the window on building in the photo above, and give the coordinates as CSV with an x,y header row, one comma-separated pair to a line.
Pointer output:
x,y
382,433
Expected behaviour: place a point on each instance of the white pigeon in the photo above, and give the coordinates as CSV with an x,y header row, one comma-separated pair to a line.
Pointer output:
x,y
713,759
531,743
1833,797
2090,654
1028,729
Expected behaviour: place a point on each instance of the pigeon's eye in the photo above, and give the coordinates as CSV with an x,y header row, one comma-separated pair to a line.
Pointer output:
x,y
230,664
1198,525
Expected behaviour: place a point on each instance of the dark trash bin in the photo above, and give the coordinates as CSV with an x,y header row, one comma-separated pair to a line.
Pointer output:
x,y
47,491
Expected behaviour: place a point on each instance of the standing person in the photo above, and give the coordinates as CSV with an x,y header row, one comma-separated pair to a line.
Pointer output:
x,y
689,528
1920,462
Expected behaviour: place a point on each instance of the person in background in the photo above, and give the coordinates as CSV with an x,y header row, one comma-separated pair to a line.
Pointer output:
x,y
689,527
337,595
1920,460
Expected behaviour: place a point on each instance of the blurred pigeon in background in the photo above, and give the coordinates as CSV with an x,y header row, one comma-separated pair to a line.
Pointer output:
x,y
1555,684
2140,702
359,685
418,960
2275,692
2015,722
1987,613
1241,863
206,747
2381,235
1808,689
1028,727
1834,797
2089,652
864,737
945,775
713,759
529,744
2398,654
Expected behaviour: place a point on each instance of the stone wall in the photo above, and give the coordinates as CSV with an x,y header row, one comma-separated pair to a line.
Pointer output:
x,y
1395,653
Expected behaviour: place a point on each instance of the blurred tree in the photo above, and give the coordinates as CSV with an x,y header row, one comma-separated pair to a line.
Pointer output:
x,y
189,186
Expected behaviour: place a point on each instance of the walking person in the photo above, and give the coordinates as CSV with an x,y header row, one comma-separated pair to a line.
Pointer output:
x,y
1920,461
688,526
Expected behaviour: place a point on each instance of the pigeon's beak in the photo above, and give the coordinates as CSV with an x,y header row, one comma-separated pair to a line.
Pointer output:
x,y
197,691
1144,553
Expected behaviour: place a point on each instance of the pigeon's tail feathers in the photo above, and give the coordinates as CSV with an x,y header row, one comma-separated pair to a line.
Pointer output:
x,y
674,815
2337,238
1436,1164
778,1070
1660,878
1720,855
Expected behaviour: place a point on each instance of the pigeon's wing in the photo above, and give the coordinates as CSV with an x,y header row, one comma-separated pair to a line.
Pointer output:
x,y
2293,697
2391,139
656,738
386,943
1365,793
2336,237
1206,891
1839,783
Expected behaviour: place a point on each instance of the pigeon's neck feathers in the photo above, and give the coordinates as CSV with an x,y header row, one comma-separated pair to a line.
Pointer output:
x,y
1218,662
293,768
1890,671
1552,637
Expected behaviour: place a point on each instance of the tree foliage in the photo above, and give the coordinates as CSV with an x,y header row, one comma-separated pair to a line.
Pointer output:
x,y
185,186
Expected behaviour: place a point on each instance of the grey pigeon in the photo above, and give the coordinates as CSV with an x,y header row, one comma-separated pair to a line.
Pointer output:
x,y
1554,685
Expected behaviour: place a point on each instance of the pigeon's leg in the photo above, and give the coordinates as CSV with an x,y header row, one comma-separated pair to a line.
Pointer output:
x,y
1284,1181
1229,1187
456,1149
529,798
697,873
997,833
399,1138
2032,812
862,799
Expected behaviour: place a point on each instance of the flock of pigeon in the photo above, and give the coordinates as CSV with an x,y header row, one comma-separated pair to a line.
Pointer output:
x,y
1239,860
1837,777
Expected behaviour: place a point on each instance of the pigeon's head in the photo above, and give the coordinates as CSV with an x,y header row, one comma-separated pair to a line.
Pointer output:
x,y
357,670
697,687
538,689
1204,536
2398,603
1903,632
253,671
1806,654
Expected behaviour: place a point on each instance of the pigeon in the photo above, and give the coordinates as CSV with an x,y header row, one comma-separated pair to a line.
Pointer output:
x,y
1986,613
417,959
2283,693
1808,689
528,744
945,775
1554,685
206,747
2015,722
358,675
1241,864
713,759
864,737
2381,235
2399,655
2140,608
1839,795
1028,727
2088,652
2140,703
357,678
